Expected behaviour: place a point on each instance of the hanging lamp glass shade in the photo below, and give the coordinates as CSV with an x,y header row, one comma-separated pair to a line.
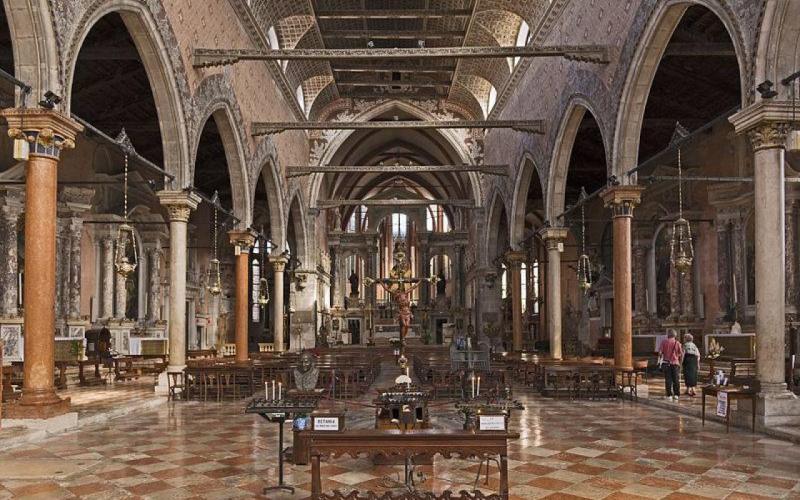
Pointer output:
x,y
584,273
263,292
125,262
681,250
214,277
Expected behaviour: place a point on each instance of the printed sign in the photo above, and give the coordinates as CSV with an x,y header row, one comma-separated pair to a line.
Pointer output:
x,y
491,422
722,404
326,423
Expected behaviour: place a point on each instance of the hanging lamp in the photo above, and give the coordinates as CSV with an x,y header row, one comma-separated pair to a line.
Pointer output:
x,y
263,285
584,264
214,274
681,249
125,262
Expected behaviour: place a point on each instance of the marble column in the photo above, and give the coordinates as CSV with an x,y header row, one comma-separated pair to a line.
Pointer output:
x,y
553,238
242,241
10,210
514,262
791,255
278,267
48,133
107,311
120,288
640,278
622,200
62,270
74,300
179,205
769,142
154,284
723,267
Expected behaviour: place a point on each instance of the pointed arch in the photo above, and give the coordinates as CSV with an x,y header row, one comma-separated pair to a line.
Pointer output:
x,y
562,154
649,52
528,174
341,137
36,58
777,54
297,218
494,225
235,158
164,79
265,168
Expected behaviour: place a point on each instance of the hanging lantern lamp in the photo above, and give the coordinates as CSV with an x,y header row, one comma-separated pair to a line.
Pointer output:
x,y
584,264
681,249
214,286
263,285
125,261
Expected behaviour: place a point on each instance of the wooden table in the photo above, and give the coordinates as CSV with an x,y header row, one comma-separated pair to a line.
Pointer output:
x,y
734,392
408,444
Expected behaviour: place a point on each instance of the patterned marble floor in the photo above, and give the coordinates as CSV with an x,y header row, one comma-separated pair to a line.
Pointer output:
x,y
567,449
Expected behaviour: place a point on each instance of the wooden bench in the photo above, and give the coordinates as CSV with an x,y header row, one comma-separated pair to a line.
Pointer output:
x,y
409,444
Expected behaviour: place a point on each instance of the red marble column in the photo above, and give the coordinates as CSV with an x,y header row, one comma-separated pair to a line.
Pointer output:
x,y
242,241
514,261
48,132
622,200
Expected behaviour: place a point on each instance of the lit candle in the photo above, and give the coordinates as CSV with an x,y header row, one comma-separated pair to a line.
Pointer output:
x,y
473,387
479,386
280,389
266,391
273,389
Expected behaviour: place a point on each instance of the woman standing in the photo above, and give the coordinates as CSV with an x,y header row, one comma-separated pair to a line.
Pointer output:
x,y
671,355
691,364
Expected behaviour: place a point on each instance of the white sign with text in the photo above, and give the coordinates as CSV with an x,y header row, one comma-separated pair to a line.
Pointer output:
x,y
326,424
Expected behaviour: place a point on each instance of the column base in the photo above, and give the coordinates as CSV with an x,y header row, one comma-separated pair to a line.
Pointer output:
x,y
777,406
36,405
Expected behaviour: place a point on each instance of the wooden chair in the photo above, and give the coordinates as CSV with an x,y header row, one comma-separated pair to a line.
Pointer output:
x,y
176,384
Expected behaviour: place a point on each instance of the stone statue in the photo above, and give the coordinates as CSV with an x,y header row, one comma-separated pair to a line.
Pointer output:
x,y
353,279
307,373
337,220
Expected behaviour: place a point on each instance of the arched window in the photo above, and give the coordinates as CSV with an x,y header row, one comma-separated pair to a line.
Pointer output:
x,y
399,226
534,283
272,38
255,283
524,294
503,282
358,220
437,220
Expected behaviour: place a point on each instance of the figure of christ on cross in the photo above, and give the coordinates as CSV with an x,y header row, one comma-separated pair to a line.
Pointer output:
x,y
400,285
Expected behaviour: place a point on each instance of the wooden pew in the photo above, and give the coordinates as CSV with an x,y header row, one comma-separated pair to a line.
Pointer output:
x,y
390,443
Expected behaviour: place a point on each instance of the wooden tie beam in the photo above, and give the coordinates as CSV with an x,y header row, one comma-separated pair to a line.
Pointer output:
x,y
204,57
325,204
269,128
299,171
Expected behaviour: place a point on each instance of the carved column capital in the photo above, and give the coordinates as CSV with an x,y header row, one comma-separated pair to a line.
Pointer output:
x,y
179,204
768,135
622,199
554,237
47,131
514,259
278,263
242,239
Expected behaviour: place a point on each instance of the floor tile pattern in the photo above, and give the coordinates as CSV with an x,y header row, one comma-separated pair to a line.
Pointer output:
x,y
568,449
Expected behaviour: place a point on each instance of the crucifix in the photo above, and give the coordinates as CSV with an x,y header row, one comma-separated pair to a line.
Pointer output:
x,y
400,284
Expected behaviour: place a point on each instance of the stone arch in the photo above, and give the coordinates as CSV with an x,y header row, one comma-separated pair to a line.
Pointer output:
x,y
642,71
298,218
493,220
264,168
526,172
777,54
562,154
340,138
226,114
34,45
166,80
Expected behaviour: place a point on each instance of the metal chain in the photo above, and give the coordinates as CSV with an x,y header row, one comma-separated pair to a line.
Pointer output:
x,y
125,195
215,231
680,186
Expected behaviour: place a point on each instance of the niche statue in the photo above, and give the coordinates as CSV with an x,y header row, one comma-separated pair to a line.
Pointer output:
x,y
307,373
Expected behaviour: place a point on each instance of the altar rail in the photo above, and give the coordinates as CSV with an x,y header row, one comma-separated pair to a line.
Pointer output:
x,y
391,443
